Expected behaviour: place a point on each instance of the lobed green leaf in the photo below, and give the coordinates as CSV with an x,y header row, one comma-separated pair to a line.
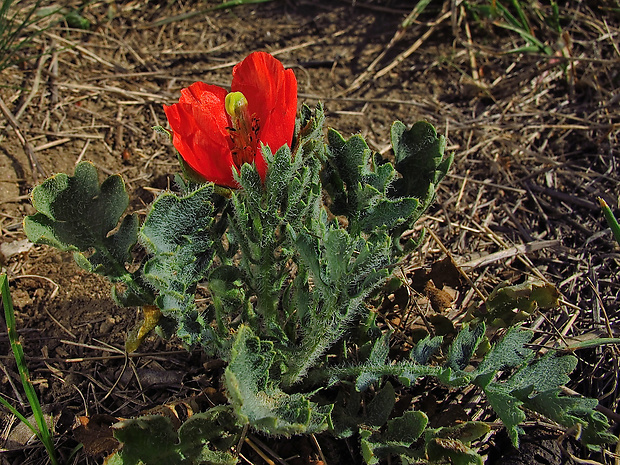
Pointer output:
x,y
205,438
76,213
420,158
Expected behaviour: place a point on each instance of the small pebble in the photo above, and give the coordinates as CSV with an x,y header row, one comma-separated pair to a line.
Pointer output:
x,y
107,325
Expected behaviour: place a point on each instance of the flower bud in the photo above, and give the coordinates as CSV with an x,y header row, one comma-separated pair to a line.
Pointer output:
x,y
236,104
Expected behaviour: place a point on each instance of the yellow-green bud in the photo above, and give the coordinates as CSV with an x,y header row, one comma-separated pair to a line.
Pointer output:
x,y
235,104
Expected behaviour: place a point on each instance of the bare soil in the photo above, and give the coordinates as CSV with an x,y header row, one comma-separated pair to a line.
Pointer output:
x,y
535,138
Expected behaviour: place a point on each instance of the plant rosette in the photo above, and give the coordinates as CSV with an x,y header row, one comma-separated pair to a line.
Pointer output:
x,y
292,231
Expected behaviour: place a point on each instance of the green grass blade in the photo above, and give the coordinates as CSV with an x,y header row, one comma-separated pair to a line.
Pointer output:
x,y
522,16
555,19
15,412
611,219
508,16
417,10
14,33
526,36
43,432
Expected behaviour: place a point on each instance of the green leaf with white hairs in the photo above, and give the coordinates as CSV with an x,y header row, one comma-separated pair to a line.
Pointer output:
x,y
420,159
209,437
464,346
380,407
535,385
397,438
76,213
359,186
205,438
256,397
424,349
177,233
453,442
148,440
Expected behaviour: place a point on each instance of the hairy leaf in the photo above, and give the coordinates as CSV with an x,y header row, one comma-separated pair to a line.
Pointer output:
x,y
453,442
378,357
534,385
266,220
379,408
359,187
345,269
176,233
149,440
509,305
420,158
509,352
424,349
397,439
254,393
76,213
407,428
464,346
206,438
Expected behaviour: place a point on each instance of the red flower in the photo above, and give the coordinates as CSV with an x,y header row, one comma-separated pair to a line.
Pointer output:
x,y
214,130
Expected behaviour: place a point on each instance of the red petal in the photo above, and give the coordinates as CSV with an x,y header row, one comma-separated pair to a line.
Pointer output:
x,y
271,92
199,123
